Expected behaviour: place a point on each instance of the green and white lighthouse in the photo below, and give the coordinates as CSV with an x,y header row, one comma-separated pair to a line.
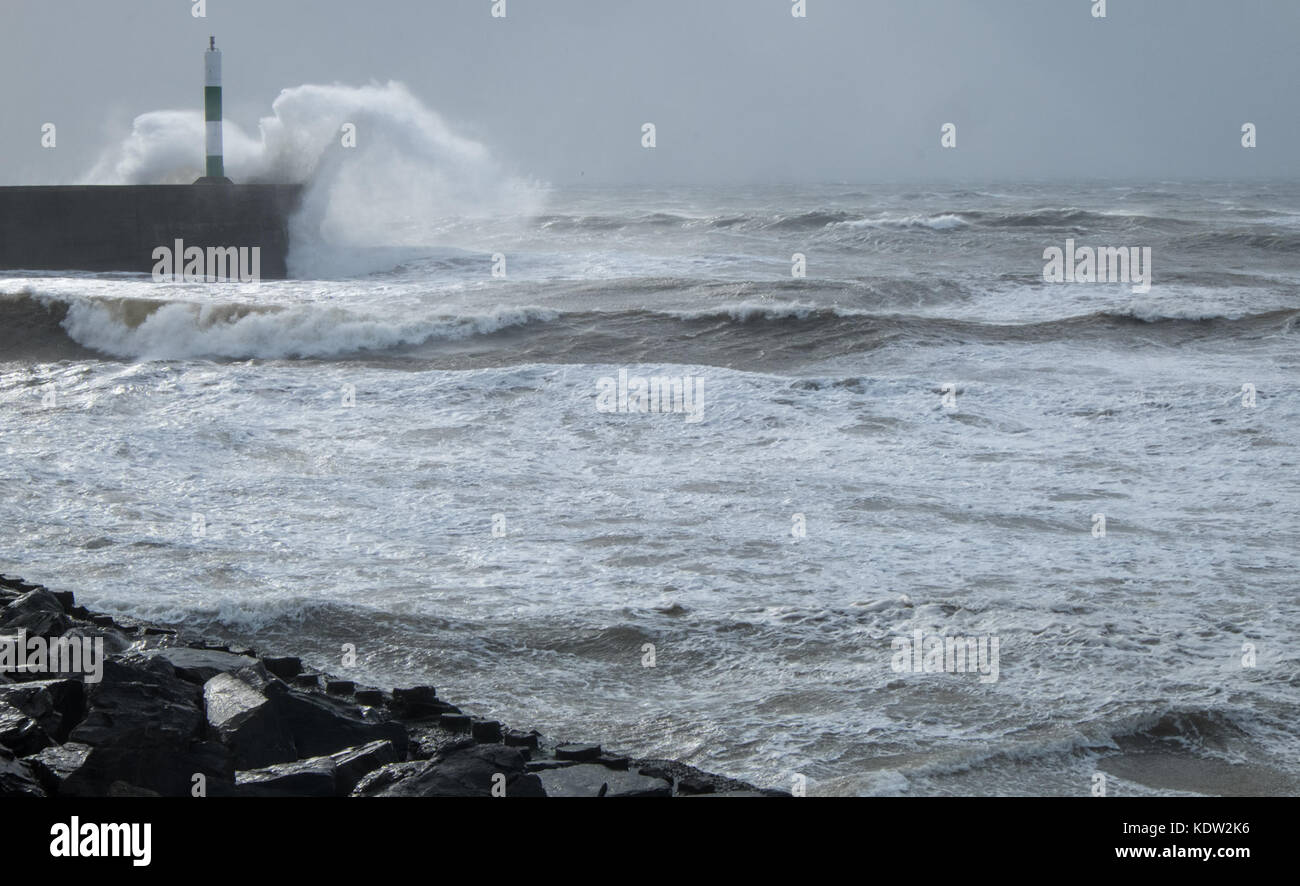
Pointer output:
x,y
216,169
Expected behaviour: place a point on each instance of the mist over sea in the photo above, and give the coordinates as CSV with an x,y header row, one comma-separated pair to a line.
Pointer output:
x,y
403,452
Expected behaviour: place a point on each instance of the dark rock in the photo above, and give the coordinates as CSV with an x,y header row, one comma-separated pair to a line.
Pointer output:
x,y
103,621
243,716
285,667
66,599
486,731
431,740
114,641
388,775
49,707
354,764
316,777
38,612
55,764
322,725
17,779
541,765
676,772
143,724
471,772
200,665
694,787
307,681
20,733
594,780
371,697
580,752
416,695
340,687
420,701
521,739
614,761
126,789
456,722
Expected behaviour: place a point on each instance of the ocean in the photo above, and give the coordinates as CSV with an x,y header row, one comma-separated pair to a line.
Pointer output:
x,y
433,459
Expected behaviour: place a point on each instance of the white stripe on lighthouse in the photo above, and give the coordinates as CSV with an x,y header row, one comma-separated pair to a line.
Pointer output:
x,y
213,138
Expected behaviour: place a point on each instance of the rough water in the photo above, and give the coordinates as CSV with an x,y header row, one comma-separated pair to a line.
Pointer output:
x,y
947,424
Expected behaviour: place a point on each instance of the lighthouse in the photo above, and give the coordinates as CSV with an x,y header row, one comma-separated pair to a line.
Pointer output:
x,y
216,170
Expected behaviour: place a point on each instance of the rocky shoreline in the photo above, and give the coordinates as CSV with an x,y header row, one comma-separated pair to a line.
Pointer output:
x,y
156,712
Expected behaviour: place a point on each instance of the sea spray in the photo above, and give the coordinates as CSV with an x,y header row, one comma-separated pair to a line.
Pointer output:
x,y
398,176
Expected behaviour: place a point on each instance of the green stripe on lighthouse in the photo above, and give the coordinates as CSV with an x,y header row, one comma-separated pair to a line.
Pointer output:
x,y
212,103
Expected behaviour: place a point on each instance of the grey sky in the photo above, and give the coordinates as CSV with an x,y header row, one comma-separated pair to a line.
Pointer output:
x,y
739,90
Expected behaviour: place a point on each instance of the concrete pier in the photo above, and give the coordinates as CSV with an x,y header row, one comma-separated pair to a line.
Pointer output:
x,y
117,228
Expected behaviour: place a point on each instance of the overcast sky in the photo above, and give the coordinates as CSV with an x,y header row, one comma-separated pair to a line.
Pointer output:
x,y
739,89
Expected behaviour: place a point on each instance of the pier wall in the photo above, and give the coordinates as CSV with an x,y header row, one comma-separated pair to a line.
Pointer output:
x,y
117,228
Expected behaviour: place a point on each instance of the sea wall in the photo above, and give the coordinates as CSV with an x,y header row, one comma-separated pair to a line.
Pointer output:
x,y
117,228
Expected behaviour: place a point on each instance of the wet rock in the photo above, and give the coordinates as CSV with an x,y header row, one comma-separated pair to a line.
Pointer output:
x,y
420,701
114,641
372,784
594,780
340,687
55,764
371,697
694,787
20,733
429,740
521,739
322,725
17,778
316,777
286,667
30,718
242,715
66,599
38,612
143,724
456,722
200,665
486,731
580,752
307,681
354,764
471,772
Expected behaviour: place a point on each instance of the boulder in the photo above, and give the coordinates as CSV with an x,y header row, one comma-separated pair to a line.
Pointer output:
x,y
316,777
242,715
30,717
285,667
17,779
372,784
265,722
355,764
470,772
594,780
200,665
144,727
55,764
580,752
38,612
486,731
